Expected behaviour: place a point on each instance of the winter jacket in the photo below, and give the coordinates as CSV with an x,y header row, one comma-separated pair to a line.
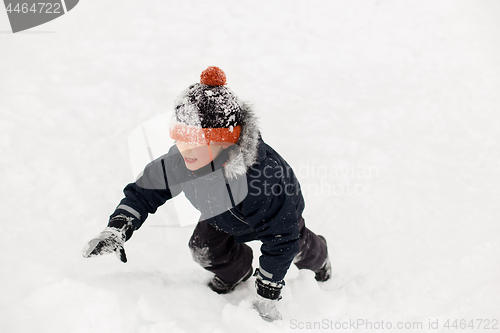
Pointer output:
x,y
248,191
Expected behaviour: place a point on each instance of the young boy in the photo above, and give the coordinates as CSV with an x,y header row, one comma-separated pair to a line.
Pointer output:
x,y
243,189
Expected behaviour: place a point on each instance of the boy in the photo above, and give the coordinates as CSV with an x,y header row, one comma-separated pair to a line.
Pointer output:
x,y
243,189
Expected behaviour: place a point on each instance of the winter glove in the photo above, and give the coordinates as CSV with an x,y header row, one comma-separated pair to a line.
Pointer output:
x,y
111,239
268,295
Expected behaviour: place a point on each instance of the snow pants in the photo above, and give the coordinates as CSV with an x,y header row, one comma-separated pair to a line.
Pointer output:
x,y
218,253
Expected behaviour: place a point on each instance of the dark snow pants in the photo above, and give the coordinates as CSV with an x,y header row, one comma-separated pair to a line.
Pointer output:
x,y
218,253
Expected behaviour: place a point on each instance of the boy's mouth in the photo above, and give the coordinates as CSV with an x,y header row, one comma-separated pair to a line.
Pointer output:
x,y
190,160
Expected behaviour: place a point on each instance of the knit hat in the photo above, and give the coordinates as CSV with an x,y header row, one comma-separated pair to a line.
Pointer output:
x,y
207,112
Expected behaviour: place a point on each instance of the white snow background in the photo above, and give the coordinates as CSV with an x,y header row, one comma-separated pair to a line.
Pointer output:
x,y
387,110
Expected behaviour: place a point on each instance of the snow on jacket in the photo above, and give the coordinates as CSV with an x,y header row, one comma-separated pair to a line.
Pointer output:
x,y
249,191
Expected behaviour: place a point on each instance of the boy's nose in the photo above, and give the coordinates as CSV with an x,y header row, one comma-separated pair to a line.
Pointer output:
x,y
184,147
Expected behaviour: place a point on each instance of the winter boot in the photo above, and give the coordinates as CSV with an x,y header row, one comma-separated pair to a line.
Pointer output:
x,y
221,287
325,271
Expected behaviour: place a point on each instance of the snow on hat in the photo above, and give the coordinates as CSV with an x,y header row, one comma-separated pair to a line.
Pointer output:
x,y
207,112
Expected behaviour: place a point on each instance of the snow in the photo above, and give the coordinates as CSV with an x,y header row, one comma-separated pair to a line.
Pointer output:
x,y
406,88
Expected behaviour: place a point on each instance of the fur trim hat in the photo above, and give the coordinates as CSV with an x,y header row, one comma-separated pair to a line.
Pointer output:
x,y
207,112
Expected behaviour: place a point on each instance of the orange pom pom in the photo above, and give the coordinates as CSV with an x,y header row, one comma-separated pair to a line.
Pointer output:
x,y
213,76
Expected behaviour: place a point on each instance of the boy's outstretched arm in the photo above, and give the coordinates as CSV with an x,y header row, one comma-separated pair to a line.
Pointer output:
x,y
142,197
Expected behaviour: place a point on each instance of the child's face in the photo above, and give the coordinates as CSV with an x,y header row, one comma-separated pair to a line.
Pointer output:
x,y
197,156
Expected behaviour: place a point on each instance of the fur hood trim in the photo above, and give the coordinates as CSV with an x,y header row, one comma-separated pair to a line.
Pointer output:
x,y
242,158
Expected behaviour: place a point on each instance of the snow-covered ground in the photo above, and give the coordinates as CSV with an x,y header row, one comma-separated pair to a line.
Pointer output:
x,y
388,111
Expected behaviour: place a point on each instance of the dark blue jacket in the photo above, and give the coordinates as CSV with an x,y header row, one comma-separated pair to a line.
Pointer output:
x,y
262,204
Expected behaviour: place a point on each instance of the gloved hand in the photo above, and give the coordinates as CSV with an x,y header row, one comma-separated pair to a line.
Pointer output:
x,y
268,295
110,240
